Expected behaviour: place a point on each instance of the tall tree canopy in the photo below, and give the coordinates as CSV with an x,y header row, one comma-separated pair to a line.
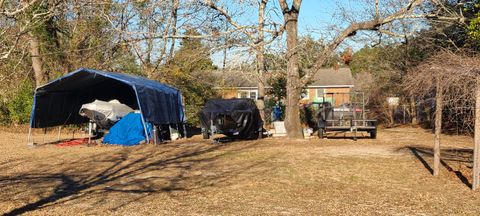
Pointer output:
x,y
190,71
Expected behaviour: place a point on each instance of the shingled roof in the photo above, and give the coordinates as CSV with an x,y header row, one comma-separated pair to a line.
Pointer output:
x,y
233,78
333,77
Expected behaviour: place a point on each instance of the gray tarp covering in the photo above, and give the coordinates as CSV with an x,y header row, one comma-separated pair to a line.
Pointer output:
x,y
104,113
237,116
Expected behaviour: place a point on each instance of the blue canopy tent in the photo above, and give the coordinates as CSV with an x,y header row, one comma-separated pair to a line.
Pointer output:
x,y
58,102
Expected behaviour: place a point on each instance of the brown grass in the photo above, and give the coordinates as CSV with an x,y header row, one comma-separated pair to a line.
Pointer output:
x,y
273,176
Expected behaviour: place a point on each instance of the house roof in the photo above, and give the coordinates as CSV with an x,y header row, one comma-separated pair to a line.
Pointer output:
x,y
333,77
233,78
327,77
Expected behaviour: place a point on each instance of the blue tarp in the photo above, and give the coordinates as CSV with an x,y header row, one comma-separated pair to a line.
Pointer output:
x,y
58,102
128,131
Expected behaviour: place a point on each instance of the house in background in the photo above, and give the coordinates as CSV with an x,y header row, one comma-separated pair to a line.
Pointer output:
x,y
234,84
328,81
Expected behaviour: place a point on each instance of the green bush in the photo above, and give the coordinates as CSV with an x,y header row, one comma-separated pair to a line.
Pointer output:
x,y
4,115
308,116
20,106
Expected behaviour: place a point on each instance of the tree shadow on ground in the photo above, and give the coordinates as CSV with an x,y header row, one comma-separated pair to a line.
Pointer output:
x,y
142,171
448,156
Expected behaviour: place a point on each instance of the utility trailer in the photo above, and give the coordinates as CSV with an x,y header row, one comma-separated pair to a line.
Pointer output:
x,y
343,112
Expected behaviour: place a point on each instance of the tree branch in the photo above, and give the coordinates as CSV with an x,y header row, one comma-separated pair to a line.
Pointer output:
x,y
17,11
352,29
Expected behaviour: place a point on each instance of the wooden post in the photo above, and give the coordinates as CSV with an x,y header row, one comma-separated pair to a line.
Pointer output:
x,y
476,150
438,127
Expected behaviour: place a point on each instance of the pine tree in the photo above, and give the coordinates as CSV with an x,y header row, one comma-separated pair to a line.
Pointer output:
x,y
190,71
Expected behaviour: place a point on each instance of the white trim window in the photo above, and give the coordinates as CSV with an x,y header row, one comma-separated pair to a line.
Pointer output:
x,y
320,92
252,94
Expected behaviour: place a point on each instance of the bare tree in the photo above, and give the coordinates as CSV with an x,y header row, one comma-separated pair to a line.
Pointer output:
x,y
145,27
294,85
414,9
453,79
175,5
476,150
438,125
19,24
256,40
40,76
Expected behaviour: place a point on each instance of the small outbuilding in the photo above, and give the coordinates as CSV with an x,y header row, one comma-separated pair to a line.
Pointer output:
x,y
58,102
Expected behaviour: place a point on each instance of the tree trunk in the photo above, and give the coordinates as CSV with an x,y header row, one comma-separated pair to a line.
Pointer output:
x,y
40,77
292,112
261,84
413,110
261,59
476,150
438,127
174,27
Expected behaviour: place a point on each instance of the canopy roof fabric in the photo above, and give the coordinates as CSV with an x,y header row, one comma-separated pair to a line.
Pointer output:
x,y
58,102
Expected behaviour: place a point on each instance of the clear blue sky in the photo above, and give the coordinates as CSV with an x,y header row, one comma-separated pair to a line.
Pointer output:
x,y
318,17
316,14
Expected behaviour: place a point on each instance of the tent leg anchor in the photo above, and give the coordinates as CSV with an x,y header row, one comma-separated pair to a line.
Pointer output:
x,y
155,135
30,142
89,132
184,131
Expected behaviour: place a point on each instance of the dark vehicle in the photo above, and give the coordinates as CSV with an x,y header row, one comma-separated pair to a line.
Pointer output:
x,y
348,115
238,117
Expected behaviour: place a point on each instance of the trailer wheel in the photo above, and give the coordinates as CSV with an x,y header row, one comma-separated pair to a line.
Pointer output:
x,y
373,134
205,135
320,133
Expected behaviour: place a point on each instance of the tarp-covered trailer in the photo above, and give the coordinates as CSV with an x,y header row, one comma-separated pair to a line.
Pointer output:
x,y
58,102
237,117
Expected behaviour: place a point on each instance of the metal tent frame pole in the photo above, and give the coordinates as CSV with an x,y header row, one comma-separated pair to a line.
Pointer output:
x,y
89,132
141,114
184,130
30,138
30,141
144,126
184,118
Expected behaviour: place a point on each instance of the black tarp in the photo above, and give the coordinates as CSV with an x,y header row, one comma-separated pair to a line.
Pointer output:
x,y
58,102
232,116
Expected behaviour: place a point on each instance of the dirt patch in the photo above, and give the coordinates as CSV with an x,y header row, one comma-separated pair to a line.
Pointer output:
x,y
274,176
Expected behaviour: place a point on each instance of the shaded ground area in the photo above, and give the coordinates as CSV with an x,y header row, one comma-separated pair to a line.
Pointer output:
x,y
390,175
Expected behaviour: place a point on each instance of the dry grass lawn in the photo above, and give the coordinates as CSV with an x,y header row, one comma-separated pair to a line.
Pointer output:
x,y
274,176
